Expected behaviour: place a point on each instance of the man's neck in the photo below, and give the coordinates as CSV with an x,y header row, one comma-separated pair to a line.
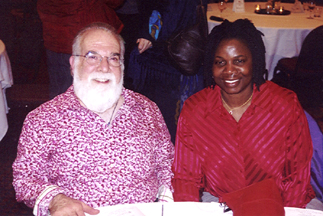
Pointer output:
x,y
109,114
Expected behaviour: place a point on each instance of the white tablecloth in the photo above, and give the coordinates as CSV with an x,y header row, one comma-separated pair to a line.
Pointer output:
x,y
5,82
284,34
186,209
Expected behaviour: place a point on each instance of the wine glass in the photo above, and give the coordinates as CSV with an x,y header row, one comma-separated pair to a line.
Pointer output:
x,y
311,6
222,6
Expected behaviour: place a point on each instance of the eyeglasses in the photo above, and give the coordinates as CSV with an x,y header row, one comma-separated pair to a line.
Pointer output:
x,y
93,58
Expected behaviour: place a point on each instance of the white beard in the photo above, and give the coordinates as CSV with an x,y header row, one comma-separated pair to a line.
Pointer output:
x,y
95,96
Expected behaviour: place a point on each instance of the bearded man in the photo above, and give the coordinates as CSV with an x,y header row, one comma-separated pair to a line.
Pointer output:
x,y
98,143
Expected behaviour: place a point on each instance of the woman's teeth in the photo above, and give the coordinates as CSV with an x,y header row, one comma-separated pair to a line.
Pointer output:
x,y
231,81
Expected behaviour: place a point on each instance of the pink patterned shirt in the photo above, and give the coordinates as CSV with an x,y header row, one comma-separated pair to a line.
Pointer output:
x,y
66,148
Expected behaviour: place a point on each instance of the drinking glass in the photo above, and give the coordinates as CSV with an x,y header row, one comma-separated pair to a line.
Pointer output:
x,y
317,12
311,6
222,6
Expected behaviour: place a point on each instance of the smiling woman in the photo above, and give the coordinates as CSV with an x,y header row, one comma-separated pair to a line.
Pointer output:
x,y
235,61
241,129
232,71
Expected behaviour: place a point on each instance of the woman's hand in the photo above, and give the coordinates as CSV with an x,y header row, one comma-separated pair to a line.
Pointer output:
x,y
62,205
143,44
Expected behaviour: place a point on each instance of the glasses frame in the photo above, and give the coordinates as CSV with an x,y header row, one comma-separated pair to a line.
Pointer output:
x,y
87,55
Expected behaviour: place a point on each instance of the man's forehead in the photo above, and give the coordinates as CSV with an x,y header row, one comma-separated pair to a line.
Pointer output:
x,y
96,37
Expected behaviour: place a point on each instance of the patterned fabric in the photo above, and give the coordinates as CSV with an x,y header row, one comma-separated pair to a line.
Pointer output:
x,y
155,24
66,148
176,15
271,140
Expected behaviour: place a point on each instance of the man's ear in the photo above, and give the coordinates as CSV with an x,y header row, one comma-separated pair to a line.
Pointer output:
x,y
72,63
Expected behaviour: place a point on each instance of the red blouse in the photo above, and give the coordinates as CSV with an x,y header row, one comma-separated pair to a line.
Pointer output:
x,y
217,154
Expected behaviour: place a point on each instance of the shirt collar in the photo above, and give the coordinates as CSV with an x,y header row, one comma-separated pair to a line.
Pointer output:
x,y
215,102
258,94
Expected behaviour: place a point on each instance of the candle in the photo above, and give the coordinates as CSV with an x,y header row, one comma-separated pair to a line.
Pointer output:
x,y
257,8
281,9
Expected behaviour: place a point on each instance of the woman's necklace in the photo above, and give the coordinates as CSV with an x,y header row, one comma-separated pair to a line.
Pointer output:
x,y
231,109
113,112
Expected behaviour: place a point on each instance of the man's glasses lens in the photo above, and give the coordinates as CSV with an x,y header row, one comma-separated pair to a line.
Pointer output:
x,y
95,59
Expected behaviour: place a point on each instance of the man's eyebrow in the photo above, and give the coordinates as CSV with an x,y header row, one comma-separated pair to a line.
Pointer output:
x,y
112,54
91,51
115,54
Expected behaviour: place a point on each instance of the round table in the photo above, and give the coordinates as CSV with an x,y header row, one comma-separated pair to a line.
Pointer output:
x,y
283,34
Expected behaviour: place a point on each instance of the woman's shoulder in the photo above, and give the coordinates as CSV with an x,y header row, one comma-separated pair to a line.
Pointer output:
x,y
273,90
202,99
275,94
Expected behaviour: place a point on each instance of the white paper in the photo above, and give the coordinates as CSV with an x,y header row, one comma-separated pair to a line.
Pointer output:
x,y
290,211
165,209
185,208
129,211
238,6
297,7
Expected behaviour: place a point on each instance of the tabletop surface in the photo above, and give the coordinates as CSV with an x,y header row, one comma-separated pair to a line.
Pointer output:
x,y
294,20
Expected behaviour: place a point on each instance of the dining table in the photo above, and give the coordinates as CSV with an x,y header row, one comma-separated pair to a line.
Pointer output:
x,y
283,33
6,81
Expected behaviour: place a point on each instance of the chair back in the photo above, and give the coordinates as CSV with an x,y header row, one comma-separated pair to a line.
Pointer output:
x,y
308,77
311,55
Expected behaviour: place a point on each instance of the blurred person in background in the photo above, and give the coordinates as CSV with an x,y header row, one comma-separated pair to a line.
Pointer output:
x,y
61,20
150,69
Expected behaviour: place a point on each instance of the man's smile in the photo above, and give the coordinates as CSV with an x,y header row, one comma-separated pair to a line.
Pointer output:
x,y
102,80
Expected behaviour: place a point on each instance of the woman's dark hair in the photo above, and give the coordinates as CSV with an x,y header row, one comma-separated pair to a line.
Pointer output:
x,y
244,31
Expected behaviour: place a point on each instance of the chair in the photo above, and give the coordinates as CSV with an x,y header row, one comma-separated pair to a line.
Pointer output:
x,y
304,74
283,72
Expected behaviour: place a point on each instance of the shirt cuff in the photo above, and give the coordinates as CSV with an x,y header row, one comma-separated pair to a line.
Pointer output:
x,y
164,194
43,200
